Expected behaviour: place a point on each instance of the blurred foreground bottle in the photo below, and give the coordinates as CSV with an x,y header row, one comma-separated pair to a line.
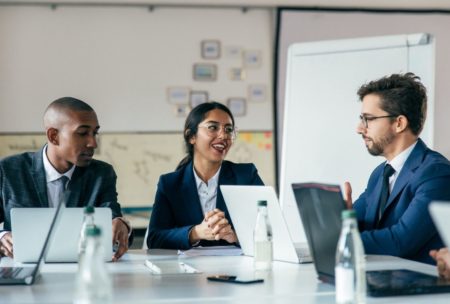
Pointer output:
x,y
93,283
262,237
350,270
88,222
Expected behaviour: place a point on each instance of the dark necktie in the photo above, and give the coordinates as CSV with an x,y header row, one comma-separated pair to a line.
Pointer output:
x,y
388,171
61,184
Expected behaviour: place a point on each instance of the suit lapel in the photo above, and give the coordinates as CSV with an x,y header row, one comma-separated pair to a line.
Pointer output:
x,y
189,187
226,177
412,163
39,180
373,204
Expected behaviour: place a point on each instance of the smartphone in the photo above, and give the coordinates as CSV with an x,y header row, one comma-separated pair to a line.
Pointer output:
x,y
234,279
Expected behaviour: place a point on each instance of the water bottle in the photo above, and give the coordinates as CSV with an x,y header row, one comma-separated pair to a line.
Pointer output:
x,y
93,283
350,270
88,222
262,237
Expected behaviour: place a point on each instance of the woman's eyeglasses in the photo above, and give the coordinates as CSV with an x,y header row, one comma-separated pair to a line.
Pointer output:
x,y
213,129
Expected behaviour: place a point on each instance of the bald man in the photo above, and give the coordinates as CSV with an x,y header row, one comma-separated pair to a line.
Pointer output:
x,y
30,179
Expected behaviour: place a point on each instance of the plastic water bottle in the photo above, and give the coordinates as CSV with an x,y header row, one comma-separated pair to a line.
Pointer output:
x,y
88,222
93,283
262,236
350,270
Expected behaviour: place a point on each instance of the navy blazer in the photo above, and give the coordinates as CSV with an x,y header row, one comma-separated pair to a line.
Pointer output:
x,y
405,228
177,205
23,184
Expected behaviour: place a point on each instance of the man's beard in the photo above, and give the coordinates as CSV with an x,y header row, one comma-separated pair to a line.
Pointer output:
x,y
379,145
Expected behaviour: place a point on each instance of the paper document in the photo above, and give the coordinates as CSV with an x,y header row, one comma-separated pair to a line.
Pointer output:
x,y
212,250
170,267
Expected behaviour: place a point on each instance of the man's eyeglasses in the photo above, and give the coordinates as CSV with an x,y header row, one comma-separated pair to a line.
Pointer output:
x,y
365,119
214,128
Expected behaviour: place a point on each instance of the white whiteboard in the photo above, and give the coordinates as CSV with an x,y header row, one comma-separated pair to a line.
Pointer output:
x,y
320,141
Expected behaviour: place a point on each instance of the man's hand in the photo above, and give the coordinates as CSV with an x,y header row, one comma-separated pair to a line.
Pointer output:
x,y
348,195
119,237
442,258
6,245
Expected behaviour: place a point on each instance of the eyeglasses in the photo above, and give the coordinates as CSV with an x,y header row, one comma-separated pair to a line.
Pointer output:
x,y
365,119
213,129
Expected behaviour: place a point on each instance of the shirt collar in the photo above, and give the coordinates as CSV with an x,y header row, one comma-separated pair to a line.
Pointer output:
x,y
50,172
212,181
398,161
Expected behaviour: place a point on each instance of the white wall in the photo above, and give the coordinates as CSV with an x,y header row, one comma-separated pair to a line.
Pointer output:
x,y
122,60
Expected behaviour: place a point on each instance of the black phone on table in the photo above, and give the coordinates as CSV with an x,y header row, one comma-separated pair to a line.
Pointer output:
x,y
234,279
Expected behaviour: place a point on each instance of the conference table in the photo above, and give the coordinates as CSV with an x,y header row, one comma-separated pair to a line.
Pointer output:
x,y
133,282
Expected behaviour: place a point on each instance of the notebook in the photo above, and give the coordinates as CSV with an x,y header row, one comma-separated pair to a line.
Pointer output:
x,y
29,226
27,275
320,207
241,202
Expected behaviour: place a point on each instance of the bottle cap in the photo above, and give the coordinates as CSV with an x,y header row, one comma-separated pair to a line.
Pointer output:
x,y
262,203
93,231
88,210
348,214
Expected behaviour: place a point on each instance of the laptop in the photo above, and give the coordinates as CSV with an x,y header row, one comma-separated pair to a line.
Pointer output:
x,y
29,237
241,202
27,275
320,207
440,213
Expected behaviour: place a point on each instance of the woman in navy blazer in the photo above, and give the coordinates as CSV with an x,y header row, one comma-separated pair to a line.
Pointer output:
x,y
189,209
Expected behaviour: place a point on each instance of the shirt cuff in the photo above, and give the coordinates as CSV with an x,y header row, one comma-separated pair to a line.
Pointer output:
x,y
189,237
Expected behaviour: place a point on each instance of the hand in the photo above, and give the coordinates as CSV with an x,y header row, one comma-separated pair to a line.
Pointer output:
x,y
348,195
442,258
119,237
221,228
6,245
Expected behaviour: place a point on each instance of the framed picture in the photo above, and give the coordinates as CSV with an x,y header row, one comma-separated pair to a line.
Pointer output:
x,y
198,97
178,95
257,92
210,49
233,52
237,74
237,106
252,59
204,72
182,110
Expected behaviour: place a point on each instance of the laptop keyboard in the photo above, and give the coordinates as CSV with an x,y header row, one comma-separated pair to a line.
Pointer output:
x,y
9,272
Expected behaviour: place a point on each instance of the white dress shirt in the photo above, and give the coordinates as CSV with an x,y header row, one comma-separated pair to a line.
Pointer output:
x,y
397,163
207,192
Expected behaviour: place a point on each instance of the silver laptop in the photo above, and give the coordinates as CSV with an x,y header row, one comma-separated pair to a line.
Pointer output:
x,y
440,212
30,236
27,275
241,202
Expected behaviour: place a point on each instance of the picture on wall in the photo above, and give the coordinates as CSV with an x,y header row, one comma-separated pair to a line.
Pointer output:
x,y
204,72
198,97
237,106
210,49
252,59
178,95
257,92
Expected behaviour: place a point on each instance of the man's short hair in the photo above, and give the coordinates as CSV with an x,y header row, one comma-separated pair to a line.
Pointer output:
x,y
400,94
70,103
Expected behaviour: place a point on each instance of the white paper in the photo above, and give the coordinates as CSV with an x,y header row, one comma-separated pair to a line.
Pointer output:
x,y
212,251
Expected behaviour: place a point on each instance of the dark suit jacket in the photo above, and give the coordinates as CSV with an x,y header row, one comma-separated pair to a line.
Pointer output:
x,y
23,184
406,228
177,206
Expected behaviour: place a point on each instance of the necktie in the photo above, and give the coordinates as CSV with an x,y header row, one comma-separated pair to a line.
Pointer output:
x,y
61,184
388,171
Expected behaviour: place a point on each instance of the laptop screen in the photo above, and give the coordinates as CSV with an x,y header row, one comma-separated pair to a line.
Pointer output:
x,y
320,207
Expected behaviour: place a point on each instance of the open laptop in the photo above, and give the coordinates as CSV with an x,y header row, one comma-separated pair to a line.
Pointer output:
x,y
320,207
29,237
27,275
241,203
440,212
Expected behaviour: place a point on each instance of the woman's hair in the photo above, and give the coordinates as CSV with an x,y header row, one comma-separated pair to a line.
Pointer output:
x,y
195,117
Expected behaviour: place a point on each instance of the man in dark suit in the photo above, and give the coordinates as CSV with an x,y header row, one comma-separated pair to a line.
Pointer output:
x,y
393,210
31,179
